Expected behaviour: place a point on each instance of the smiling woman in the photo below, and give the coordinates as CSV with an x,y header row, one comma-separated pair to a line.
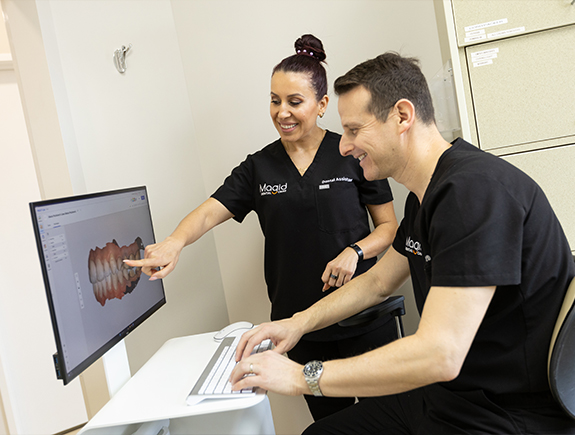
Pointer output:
x,y
298,97
311,205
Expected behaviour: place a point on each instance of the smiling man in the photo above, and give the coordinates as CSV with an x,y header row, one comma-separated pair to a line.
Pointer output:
x,y
488,282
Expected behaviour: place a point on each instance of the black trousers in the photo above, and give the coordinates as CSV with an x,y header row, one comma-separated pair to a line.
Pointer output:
x,y
305,351
435,410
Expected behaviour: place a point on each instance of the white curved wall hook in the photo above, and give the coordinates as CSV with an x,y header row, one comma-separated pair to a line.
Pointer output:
x,y
120,58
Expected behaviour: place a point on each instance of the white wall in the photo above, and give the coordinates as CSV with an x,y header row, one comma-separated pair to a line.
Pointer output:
x,y
7,58
229,49
4,43
133,129
26,341
193,103
111,131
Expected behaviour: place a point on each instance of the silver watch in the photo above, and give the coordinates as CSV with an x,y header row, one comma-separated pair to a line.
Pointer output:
x,y
312,372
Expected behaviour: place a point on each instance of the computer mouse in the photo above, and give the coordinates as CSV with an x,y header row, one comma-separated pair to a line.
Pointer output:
x,y
233,330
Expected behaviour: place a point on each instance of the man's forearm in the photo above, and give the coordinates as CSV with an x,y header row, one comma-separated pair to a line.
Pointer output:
x,y
355,296
435,353
362,292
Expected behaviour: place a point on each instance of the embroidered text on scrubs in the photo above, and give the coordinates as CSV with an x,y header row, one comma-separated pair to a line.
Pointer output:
x,y
413,246
269,189
333,180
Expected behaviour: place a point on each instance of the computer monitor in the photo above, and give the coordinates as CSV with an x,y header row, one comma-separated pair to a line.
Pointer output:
x,y
94,298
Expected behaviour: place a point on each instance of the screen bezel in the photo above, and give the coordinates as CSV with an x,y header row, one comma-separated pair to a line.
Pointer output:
x,y
65,373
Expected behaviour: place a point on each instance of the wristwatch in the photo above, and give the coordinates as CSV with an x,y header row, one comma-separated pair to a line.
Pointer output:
x,y
312,372
358,251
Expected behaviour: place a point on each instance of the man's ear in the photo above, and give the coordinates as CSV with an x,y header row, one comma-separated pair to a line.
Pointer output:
x,y
406,113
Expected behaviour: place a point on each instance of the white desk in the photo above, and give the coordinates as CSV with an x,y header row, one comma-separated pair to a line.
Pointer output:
x,y
159,389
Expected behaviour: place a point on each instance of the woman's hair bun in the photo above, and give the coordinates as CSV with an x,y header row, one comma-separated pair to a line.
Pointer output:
x,y
311,46
308,58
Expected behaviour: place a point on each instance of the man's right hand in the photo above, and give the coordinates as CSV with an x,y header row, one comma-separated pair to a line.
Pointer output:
x,y
284,334
160,259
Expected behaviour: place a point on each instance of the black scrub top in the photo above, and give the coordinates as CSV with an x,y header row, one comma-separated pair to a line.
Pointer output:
x,y
483,222
306,220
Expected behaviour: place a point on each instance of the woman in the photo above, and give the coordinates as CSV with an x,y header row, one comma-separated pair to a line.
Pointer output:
x,y
311,204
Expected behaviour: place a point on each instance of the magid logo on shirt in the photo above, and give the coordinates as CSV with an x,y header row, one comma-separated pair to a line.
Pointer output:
x,y
413,246
269,189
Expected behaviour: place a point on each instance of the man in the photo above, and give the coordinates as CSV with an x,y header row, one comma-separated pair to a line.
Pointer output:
x,y
489,264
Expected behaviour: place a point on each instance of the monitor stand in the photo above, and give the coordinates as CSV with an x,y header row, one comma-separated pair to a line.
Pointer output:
x,y
116,367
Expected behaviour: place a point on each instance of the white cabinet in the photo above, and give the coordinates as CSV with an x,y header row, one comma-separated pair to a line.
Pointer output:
x,y
479,21
552,169
523,90
514,69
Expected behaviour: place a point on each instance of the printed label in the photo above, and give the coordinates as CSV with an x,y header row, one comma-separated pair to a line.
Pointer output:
x,y
506,32
484,53
475,38
475,33
484,25
483,63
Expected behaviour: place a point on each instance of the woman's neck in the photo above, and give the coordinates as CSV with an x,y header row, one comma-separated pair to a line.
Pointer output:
x,y
310,142
302,152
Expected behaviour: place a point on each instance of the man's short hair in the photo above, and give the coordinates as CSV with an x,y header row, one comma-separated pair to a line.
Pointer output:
x,y
389,78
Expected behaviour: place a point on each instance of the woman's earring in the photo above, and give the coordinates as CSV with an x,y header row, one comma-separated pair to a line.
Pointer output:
x,y
321,115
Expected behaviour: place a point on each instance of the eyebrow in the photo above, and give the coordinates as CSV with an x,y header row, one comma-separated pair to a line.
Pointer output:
x,y
352,124
289,96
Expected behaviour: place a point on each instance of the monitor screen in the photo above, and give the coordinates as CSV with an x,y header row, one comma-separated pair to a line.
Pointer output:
x,y
94,298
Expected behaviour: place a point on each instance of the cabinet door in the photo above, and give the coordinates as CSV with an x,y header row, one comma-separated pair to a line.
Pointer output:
x,y
552,169
479,21
523,90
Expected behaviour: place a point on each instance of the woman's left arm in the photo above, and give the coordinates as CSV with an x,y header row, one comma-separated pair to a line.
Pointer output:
x,y
343,266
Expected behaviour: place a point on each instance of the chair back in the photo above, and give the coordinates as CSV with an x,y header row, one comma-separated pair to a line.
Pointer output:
x,y
561,360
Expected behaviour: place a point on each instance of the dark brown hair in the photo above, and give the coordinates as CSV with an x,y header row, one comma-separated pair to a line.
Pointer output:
x,y
308,60
389,78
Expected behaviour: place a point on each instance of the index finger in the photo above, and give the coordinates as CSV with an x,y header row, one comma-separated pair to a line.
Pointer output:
x,y
150,267
136,263
245,346
149,263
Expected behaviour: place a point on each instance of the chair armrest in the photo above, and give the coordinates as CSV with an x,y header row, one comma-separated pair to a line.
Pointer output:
x,y
393,305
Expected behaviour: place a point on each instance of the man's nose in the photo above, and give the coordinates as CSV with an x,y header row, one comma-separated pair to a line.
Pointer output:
x,y
345,145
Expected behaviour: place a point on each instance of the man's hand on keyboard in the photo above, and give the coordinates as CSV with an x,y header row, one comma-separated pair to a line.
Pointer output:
x,y
270,371
284,334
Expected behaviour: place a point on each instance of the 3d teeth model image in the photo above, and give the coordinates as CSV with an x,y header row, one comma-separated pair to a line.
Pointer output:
x,y
110,276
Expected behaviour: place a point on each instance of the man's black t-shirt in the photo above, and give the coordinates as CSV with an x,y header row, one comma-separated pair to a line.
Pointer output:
x,y
483,222
306,220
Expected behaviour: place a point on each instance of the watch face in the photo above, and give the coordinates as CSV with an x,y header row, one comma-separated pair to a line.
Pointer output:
x,y
312,368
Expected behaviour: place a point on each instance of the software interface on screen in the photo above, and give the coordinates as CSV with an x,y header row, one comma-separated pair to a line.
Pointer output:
x,y
94,295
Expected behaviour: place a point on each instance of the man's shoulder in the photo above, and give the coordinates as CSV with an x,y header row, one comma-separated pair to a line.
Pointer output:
x,y
464,158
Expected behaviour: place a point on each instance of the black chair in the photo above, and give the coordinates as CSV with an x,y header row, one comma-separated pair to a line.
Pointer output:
x,y
393,305
561,362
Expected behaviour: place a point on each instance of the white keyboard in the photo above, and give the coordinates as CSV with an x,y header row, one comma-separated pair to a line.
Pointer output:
x,y
214,382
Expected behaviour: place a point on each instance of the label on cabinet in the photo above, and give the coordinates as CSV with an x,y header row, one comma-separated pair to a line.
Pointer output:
x,y
484,57
506,32
487,24
475,35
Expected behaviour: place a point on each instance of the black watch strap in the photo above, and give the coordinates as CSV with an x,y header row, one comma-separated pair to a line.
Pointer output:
x,y
358,250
